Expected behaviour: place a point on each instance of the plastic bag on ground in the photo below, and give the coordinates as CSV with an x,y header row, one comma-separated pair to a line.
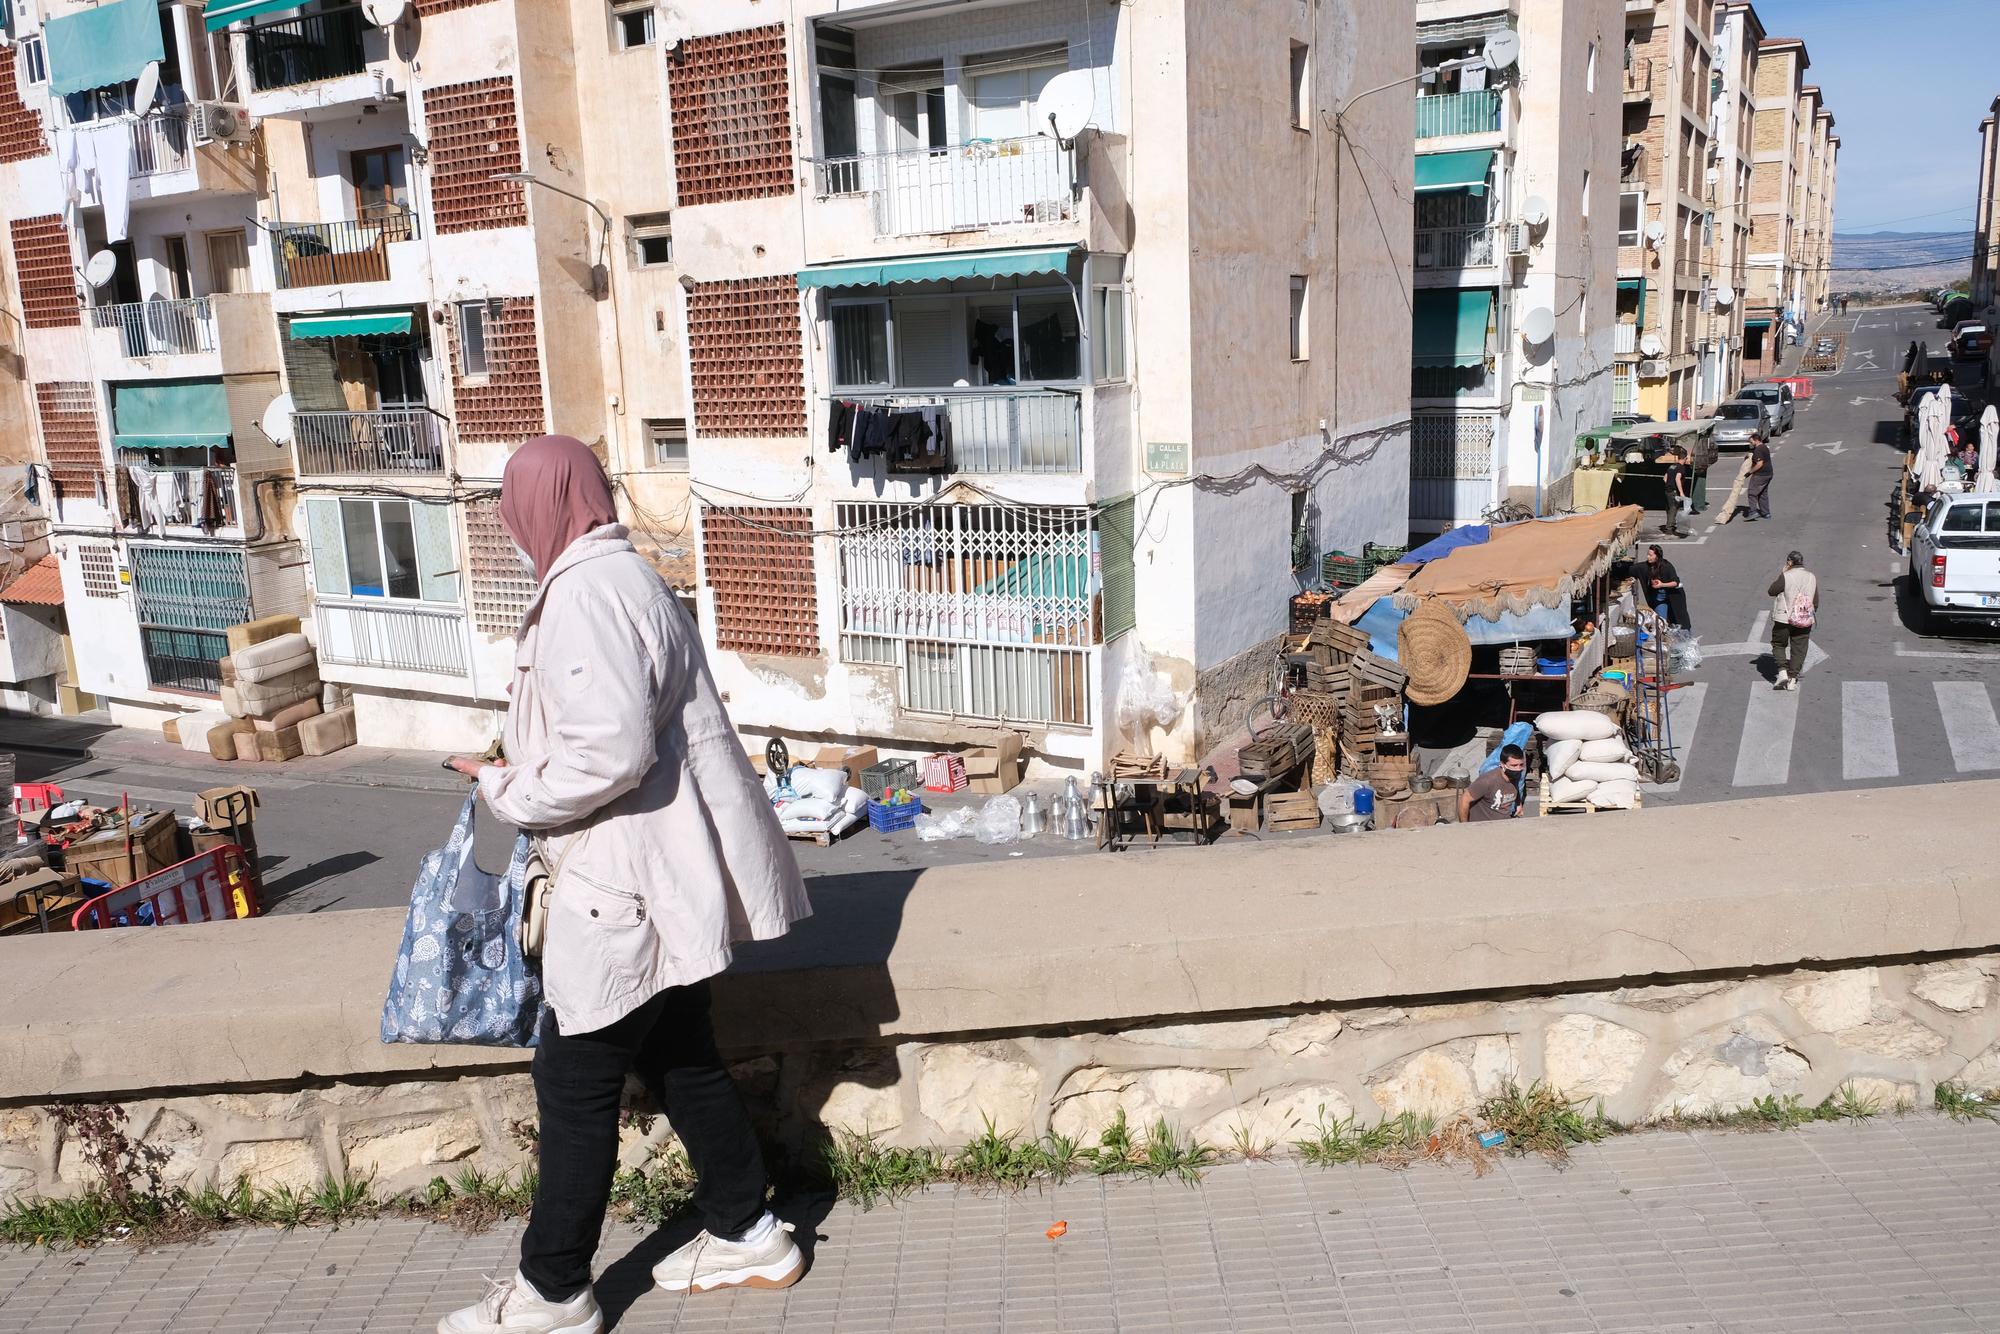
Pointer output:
x,y
999,821
938,828
1145,699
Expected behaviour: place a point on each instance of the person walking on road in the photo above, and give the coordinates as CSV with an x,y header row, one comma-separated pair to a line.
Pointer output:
x,y
663,854
1757,490
1664,589
1794,612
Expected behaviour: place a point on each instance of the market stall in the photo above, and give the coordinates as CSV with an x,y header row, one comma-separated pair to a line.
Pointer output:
x,y
1620,465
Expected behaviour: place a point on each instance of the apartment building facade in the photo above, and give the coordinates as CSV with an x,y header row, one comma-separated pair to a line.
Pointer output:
x,y
1513,294
1986,214
1135,325
1738,34
1771,313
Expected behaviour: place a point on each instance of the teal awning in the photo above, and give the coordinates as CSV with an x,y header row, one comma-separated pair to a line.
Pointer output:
x,y
171,414
222,13
1635,285
350,326
1450,324
101,47
936,268
1756,324
1454,171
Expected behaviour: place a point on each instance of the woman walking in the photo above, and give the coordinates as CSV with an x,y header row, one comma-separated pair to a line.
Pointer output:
x,y
1794,612
665,853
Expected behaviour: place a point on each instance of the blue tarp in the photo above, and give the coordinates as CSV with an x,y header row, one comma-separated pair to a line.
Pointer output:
x,y
102,47
1380,622
1443,545
1517,734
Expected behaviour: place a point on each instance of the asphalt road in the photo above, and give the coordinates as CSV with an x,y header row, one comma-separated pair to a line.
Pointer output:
x,y
1886,704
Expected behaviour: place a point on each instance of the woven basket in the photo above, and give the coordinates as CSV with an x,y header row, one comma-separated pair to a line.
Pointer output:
x,y
1517,661
1434,650
1316,710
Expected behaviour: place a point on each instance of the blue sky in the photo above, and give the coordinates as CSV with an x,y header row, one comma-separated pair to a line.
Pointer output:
x,y
1908,82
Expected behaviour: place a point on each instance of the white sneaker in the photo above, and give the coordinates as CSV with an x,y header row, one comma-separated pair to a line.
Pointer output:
x,y
512,1306
708,1262
1784,681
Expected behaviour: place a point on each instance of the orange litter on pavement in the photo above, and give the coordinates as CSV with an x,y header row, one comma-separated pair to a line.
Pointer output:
x,y
1059,1227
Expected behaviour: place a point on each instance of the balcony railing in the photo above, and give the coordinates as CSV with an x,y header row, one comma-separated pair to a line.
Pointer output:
x,y
395,636
395,440
313,47
160,328
999,430
314,254
1639,80
1446,114
1457,247
1624,338
161,144
1000,183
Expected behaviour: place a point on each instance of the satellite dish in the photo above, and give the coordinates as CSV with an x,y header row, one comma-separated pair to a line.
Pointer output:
x,y
1656,232
1064,107
384,13
1651,346
1538,325
147,91
100,268
277,420
1502,49
1725,297
1535,211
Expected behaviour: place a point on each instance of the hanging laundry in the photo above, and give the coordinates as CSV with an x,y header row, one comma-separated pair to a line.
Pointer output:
x,y
31,489
908,437
134,499
166,489
212,516
114,178
839,421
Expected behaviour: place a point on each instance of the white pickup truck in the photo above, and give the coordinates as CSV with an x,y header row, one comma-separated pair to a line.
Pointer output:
x,y
1955,560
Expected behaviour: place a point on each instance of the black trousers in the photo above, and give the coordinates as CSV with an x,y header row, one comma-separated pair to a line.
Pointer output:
x,y
579,1081
1788,647
1757,495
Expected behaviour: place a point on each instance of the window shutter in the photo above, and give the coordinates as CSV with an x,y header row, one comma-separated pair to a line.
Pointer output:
x,y
329,548
437,553
1115,540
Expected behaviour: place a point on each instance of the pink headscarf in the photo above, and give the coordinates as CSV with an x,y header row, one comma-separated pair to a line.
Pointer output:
x,y
552,492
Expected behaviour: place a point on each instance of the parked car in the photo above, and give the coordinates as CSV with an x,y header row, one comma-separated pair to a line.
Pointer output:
x,y
1736,421
1778,397
1955,560
1965,412
1970,340
1823,346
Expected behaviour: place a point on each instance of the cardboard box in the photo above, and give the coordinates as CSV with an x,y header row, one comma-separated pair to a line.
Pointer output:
x,y
212,806
991,770
283,744
851,758
257,631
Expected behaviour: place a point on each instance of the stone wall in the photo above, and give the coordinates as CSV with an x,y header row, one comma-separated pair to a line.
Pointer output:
x,y
1891,1031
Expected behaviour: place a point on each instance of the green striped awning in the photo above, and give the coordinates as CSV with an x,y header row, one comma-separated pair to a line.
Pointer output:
x,y
936,268
170,414
1449,326
222,13
102,47
1454,171
350,326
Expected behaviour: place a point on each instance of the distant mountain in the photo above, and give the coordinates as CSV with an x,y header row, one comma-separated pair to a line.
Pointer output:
x,y
1865,250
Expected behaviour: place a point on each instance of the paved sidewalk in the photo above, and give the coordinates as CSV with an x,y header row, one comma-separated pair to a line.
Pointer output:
x,y
1890,1225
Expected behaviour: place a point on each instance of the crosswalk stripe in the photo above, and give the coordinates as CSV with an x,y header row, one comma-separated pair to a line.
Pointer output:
x,y
1969,724
1683,717
1867,733
1764,752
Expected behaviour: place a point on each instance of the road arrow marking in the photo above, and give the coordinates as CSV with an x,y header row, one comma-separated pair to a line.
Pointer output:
x,y
1859,399
1835,448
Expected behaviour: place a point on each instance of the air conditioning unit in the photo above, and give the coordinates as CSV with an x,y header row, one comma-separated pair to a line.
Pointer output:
x,y
220,123
1652,370
1517,238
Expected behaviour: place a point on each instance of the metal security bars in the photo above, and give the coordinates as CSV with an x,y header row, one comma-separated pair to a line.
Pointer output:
x,y
396,440
988,611
288,52
159,328
187,598
994,183
1451,465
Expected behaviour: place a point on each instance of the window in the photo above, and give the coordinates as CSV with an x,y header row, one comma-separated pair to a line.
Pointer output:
x,y
652,239
1301,86
1004,88
631,24
381,548
667,444
391,549
180,277
1107,345
1300,316
1631,216
472,339
228,261
34,61
861,343
381,188
188,597
913,102
1590,69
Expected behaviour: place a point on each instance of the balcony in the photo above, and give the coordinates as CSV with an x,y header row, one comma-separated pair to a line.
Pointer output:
x,y
1445,115
1639,81
159,328
1452,248
1624,339
312,48
229,333
1008,182
187,514
162,144
999,430
397,442
316,254
391,636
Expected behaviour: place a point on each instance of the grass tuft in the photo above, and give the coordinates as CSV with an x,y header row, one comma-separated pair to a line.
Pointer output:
x,y
1538,1119
1962,1104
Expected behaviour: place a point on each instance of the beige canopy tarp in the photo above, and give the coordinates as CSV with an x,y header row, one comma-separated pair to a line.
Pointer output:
x,y
1540,563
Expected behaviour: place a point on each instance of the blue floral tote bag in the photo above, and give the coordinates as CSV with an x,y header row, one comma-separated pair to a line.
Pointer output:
x,y
460,976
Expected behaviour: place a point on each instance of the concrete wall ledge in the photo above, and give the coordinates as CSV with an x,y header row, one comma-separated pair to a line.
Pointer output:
x,y
1091,941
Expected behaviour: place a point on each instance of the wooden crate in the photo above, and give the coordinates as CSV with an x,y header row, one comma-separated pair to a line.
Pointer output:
x,y
155,846
1291,811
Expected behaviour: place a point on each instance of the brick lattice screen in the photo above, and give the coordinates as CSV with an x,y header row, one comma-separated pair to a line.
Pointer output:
x,y
501,589
68,410
505,404
475,134
43,273
762,574
732,122
747,357
20,125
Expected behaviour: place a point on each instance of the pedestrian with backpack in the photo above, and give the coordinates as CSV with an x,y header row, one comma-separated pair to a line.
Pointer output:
x,y
1794,612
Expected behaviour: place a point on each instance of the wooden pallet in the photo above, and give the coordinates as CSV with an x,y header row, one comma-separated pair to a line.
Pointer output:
x,y
1291,811
823,837
1549,807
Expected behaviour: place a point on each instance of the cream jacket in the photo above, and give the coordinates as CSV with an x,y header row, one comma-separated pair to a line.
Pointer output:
x,y
620,755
